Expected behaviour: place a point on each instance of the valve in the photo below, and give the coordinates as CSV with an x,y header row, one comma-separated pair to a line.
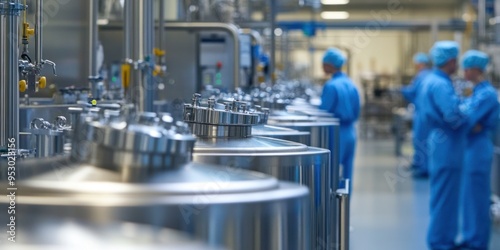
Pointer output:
x,y
42,82
23,85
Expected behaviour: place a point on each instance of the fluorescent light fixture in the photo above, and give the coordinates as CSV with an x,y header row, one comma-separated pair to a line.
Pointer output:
x,y
334,2
334,14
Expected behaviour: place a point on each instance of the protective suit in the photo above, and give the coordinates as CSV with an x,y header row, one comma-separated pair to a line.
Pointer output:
x,y
447,140
483,108
420,127
341,98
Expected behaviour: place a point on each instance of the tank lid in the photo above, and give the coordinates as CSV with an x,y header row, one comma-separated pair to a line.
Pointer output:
x,y
141,140
250,145
190,179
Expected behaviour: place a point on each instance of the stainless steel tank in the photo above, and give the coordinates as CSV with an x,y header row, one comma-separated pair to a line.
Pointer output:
x,y
225,137
64,234
139,170
262,129
325,133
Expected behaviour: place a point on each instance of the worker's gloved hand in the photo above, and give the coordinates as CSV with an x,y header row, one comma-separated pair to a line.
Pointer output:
x,y
478,128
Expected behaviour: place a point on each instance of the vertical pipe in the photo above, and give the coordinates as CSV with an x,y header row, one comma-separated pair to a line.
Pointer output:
x,y
38,33
127,28
93,43
9,77
497,21
139,34
272,19
481,20
161,29
344,215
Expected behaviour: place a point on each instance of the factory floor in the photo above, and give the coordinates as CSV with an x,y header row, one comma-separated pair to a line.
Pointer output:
x,y
389,209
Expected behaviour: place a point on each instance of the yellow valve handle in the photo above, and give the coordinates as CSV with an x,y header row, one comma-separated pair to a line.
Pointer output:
x,y
93,102
125,75
22,85
158,52
157,71
27,31
42,83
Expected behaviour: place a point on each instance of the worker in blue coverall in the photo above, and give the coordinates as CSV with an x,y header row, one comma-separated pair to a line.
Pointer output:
x,y
340,97
447,140
479,153
420,127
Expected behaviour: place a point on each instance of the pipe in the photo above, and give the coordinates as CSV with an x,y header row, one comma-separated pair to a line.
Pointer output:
x,y
256,38
139,30
344,215
497,22
272,19
9,75
161,21
38,33
229,28
93,47
481,19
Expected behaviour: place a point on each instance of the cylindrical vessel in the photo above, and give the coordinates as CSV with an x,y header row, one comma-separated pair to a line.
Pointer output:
x,y
303,137
325,133
224,137
36,232
138,170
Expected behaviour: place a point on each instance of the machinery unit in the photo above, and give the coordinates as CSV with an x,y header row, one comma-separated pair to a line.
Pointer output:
x,y
137,169
225,137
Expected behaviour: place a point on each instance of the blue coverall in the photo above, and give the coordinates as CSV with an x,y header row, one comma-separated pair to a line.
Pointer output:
x,y
447,142
420,126
340,97
477,169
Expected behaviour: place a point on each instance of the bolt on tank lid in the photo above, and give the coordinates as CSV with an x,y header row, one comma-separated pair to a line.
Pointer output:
x,y
235,113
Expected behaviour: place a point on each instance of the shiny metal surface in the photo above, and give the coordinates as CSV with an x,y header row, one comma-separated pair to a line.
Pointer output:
x,y
9,76
308,166
38,33
285,160
49,138
282,133
325,133
94,77
62,234
139,27
222,206
46,112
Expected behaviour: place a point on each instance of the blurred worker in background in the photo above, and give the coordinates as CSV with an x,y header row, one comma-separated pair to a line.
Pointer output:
x,y
340,97
476,192
449,124
420,126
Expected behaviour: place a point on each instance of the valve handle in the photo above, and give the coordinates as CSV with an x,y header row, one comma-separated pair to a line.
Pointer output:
x,y
23,85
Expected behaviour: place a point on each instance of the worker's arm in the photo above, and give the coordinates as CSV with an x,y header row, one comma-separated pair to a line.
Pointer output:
x,y
410,91
328,97
447,104
477,109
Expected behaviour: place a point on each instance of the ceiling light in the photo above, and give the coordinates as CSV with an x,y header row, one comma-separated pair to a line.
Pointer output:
x,y
334,14
334,2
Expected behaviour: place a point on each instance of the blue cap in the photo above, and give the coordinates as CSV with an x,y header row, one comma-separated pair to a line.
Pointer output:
x,y
444,51
334,57
421,58
475,59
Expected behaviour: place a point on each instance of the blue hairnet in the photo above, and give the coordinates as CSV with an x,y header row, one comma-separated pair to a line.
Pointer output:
x,y
475,59
334,57
444,51
421,58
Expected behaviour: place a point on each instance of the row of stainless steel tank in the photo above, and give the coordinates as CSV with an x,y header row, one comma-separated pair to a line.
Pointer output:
x,y
138,168
116,145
